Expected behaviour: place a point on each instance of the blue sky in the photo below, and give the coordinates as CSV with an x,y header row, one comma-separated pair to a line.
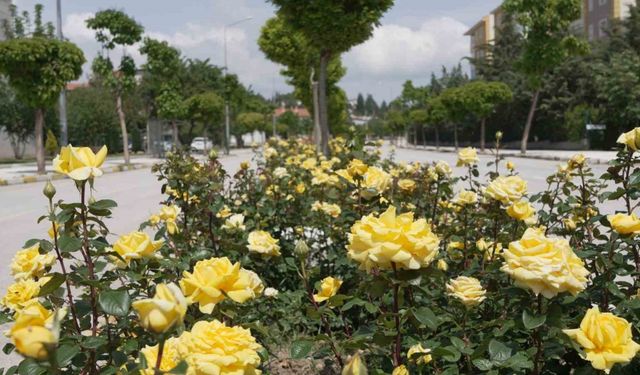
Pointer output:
x,y
416,37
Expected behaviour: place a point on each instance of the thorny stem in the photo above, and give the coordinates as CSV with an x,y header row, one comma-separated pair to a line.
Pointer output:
x,y
397,357
159,359
72,307
538,340
627,199
92,276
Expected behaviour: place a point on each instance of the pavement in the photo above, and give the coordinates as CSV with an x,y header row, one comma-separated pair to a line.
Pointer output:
x,y
138,195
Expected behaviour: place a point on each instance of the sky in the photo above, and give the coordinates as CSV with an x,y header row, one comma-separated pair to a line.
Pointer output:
x,y
415,38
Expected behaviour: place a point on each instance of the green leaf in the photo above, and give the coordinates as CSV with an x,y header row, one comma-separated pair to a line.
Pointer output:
x,y
498,351
448,353
94,342
65,353
103,204
483,364
427,317
31,367
531,321
69,244
301,348
52,285
115,302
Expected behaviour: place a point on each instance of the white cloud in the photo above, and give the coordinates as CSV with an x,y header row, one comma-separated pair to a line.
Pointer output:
x,y
75,27
397,51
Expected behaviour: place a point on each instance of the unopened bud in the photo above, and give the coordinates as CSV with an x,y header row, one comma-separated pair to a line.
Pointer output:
x,y
213,154
498,135
49,190
92,200
301,249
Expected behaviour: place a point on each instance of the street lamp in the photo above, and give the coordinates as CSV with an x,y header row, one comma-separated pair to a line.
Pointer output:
x,y
227,136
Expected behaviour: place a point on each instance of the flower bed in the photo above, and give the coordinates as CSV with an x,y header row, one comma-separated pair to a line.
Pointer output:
x,y
359,262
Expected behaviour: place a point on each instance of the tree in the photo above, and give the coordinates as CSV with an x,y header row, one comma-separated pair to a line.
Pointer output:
x,y
162,71
92,118
547,42
284,45
360,108
15,119
331,27
115,28
436,116
38,69
370,106
206,110
453,100
248,122
481,99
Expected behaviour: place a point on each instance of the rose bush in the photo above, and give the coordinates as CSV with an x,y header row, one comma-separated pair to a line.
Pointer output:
x,y
351,262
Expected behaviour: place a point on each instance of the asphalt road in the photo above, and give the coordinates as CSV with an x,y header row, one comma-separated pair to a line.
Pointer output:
x,y
138,195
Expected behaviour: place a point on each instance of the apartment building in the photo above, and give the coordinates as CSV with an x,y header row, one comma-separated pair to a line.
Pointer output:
x,y
597,16
5,15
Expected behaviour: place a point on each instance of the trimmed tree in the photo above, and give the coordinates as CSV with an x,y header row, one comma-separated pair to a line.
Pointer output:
x,y
482,98
436,116
206,109
115,28
38,69
547,43
331,27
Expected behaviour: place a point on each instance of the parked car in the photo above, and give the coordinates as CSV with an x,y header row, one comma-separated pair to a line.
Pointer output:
x,y
200,144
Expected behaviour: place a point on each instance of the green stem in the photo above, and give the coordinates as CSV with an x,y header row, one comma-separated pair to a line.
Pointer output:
x,y
159,358
397,356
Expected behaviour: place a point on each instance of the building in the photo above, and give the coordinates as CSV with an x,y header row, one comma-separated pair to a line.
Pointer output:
x,y
597,16
481,35
5,16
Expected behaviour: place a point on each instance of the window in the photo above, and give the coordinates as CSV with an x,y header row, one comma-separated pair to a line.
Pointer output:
x,y
602,26
602,2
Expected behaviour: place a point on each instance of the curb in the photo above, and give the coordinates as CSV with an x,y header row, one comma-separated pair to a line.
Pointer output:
x,y
596,161
56,176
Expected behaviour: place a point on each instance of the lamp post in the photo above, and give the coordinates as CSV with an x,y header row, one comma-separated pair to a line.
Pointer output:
x,y
62,100
227,136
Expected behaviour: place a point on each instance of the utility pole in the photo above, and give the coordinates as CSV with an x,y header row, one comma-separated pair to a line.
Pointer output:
x,y
227,120
62,100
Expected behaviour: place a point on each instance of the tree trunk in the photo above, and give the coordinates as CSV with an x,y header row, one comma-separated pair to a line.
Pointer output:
x,y
39,133
123,128
174,134
437,137
323,109
455,136
527,127
483,123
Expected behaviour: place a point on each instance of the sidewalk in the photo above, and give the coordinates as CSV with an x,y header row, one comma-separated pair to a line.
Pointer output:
x,y
594,156
22,173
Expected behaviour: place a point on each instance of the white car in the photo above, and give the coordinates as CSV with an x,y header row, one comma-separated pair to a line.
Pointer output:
x,y
201,144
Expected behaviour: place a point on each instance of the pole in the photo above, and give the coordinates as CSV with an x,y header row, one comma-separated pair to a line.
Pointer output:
x,y
273,123
62,100
226,97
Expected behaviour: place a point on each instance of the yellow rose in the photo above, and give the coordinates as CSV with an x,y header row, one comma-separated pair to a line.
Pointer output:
x,y
466,197
467,156
244,165
169,214
164,311
300,188
328,288
605,338
443,169
407,185
544,265
224,212
432,175
346,175
400,370
379,241
29,263
357,167
213,279
34,341
261,242
569,224
521,210
625,224
576,161
31,314
20,293
280,172
490,251
442,265
355,366
154,219
309,163
170,357
467,289
269,153
55,229
506,189
135,245
235,222
375,182
79,163
212,348
631,139
419,355
332,210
